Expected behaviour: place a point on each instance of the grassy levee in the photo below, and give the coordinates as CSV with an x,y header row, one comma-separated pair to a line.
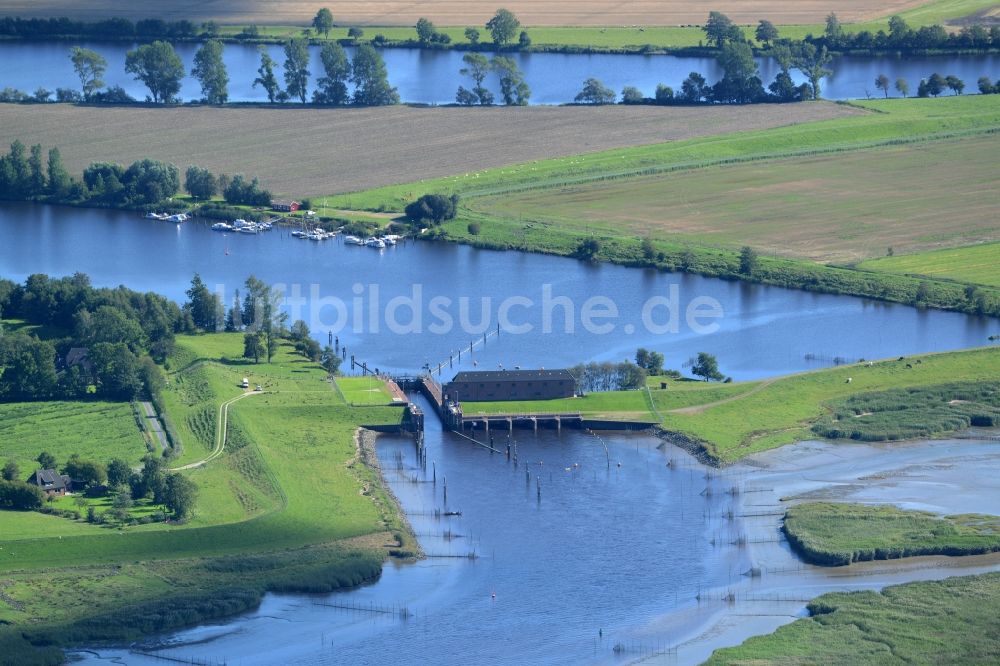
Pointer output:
x,y
290,499
894,121
782,411
918,396
841,208
591,26
263,474
953,621
832,534
486,220
976,264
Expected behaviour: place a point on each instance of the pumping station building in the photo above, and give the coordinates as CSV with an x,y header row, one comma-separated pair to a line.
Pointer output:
x,y
471,386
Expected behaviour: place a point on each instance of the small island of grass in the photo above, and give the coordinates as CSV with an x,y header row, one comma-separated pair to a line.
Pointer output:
x,y
831,534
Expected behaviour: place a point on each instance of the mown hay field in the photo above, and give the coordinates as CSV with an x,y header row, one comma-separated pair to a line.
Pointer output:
x,y
312,152
836,207
472,12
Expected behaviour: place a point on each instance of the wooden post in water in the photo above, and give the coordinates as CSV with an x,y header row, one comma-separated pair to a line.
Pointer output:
x,y
434,467
445,479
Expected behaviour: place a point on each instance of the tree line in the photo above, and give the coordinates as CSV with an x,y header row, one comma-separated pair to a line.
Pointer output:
x,y
258,315
123,333
158,66
901,37
29,174
741,83
503,28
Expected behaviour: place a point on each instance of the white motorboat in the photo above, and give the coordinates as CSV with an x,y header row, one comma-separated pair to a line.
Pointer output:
x,y
221,226
353,240
376,243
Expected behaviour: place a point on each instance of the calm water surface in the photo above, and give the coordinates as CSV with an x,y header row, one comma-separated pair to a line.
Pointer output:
x,y
432,77
762,331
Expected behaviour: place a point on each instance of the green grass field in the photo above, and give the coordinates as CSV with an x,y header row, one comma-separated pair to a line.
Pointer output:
x,y
364,391
975,264
840,207
953,621
634,38
731,421
838,534
94,430
289,478
781,411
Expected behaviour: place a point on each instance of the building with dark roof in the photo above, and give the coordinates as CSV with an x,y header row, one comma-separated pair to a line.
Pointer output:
x,y
470,386
52,482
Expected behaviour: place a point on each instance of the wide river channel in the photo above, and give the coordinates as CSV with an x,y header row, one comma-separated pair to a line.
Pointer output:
x,y
432,77
604,548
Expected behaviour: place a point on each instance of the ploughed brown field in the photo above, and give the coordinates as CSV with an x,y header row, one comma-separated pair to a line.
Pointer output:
x,y
466,12
310,152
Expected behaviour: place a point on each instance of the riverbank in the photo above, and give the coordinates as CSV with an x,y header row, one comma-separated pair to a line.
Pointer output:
x,y
601,28
547,206
258,511
834,534
721,424
945,477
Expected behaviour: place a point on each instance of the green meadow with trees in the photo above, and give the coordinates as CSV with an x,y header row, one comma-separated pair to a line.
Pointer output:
x,y
227,491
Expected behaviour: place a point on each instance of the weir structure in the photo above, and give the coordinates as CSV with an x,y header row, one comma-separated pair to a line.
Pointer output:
x,y
453,417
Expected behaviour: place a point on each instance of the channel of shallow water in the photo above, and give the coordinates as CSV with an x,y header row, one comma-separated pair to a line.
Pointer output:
x,y
653,557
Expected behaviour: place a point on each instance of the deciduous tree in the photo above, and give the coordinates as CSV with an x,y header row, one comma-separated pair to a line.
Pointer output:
x,y
159,67
89,67
513,88
323,22
478,67
210,70
337,72
371,79
595,92
503,26
720,29
706,366
297,68
882,83
266,77
766,32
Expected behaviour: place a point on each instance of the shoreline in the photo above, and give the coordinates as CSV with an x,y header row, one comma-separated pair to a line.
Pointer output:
x,y
694,48
777,585
774,272
367,441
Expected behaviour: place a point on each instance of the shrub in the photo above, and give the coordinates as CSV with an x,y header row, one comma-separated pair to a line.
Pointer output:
x,y
433,208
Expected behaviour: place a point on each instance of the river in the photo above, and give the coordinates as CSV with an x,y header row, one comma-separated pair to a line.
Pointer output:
x,y
579,548
392,308
432,77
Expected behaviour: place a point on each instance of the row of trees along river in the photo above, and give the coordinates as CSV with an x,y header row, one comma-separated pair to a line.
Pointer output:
x,y
791,70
